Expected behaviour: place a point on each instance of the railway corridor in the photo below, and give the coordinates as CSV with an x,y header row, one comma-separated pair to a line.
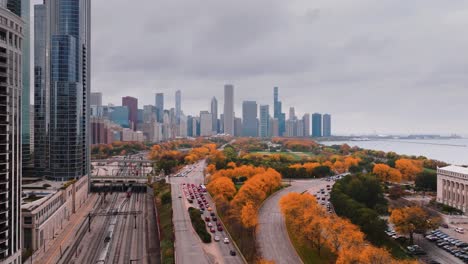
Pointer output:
x,y
118,233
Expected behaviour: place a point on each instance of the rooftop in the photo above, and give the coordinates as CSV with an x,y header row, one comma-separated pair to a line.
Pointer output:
x,y
456,169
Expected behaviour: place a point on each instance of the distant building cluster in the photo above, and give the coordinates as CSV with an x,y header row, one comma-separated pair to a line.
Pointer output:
x,y
154,123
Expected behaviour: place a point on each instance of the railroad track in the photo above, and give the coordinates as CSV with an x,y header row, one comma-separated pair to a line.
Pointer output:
x,y
129,234
96,244
121,223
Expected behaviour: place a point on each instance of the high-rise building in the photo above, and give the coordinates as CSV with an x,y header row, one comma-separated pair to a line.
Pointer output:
x,y
264,121
62,70
149,114
96,99
10,135
96,104
229,109
237,126
278,114
15,6
178,105
214,114
41,93
327,125
205,124
249,119
119,115
306,121
316,125
132,104
25,96
274,127
299,128
159,103
292,113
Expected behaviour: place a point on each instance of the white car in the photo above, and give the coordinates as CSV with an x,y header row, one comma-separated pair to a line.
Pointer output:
x,y
459,230
226,240
216,238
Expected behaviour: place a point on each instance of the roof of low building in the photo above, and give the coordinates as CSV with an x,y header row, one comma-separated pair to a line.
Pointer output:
x,y
456,169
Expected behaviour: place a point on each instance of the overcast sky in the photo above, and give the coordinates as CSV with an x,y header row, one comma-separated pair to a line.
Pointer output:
x,y
389,66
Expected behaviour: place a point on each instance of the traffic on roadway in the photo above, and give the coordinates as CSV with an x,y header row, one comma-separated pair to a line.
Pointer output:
x,y
188,190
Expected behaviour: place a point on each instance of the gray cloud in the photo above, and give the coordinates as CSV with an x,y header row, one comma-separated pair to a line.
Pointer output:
x,y
385,66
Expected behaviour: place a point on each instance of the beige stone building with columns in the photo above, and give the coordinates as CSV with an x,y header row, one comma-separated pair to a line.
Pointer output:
x,y
452,187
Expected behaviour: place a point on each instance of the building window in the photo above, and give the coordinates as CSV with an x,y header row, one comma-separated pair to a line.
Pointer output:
x,y
27,220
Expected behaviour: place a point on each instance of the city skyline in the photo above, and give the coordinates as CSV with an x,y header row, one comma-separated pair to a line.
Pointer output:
x,y
361,78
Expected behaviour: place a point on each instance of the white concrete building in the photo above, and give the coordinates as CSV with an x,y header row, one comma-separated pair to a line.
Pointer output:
x,y
452,187
44,217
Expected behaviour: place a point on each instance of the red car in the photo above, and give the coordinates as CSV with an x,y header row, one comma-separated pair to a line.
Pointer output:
x,y
207,219
212,230
220,228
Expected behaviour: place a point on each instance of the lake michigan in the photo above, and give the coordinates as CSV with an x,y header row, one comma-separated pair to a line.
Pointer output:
x,y
453,151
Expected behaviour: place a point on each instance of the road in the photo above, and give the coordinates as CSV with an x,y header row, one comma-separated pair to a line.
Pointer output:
x,y
188,246
272,235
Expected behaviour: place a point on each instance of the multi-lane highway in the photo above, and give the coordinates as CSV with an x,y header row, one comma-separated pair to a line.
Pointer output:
x,y
188,246
272,235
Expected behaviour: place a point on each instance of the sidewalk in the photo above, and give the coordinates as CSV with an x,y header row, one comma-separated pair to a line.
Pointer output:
x,y
55,247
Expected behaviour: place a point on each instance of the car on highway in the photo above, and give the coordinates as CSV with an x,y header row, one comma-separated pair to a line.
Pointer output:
x,y
220,228
232,252
216,238
207,219
226,240
459,230
212,230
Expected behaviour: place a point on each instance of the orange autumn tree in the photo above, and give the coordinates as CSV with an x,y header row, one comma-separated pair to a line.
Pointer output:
x,y
312,226
387,173
414,219
409,168
222,187
240,209
249,215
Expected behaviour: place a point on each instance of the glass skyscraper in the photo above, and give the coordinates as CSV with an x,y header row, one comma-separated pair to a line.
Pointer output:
x,y
316,125
25,103
278,113
327,125
264,121
249,119
159,103
62,87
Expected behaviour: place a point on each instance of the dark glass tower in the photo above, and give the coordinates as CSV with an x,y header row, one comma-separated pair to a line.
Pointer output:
x,y
64,87
317,125
25,104
15,7
277,112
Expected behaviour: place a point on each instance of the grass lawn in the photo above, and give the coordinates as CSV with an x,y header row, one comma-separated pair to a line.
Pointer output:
x,y
309,254
165,221
429,170
295,156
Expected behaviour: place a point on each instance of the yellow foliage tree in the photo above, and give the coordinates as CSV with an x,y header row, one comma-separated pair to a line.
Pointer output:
x,y
409,168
